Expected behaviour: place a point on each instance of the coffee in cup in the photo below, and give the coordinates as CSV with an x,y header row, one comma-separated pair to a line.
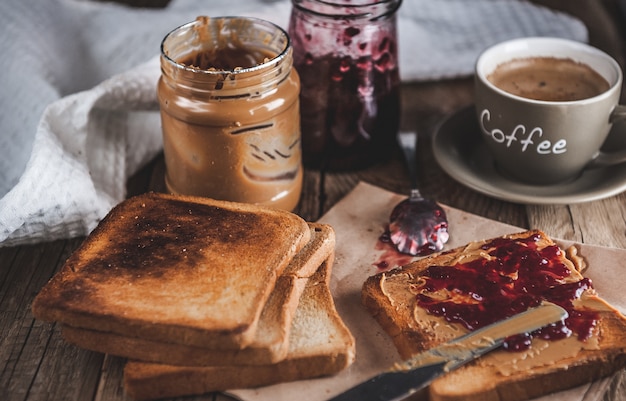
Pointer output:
x,y
545,107
549,79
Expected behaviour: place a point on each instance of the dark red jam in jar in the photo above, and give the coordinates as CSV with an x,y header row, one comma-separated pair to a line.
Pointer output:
x,y
518,277
346,53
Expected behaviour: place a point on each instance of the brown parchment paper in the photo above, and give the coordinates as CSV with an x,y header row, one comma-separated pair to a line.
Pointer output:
x,y
358,220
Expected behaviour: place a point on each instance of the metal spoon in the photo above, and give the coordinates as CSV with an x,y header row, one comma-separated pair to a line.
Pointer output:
x,y
417,226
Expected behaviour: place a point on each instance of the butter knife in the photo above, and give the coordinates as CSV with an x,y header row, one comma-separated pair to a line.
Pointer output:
x,y
416,373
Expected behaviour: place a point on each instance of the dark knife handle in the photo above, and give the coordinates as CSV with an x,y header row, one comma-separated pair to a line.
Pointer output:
x,y
417,372
393,385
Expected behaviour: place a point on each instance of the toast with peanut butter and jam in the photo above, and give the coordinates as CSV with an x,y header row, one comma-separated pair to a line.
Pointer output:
x,y
435,299
176,269
271,340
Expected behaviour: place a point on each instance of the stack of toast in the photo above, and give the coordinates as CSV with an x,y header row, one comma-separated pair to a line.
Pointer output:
x,y
202,295
441,297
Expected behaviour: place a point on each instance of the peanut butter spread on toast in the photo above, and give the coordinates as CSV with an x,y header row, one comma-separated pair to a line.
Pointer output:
x,y
487,281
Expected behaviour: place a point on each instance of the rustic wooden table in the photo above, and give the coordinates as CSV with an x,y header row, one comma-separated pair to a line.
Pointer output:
x,y
36,364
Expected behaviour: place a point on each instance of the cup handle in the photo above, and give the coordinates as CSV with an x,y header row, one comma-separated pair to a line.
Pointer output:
x,y
610,158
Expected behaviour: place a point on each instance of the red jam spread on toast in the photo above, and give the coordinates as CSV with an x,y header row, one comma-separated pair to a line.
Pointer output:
x,y
514,276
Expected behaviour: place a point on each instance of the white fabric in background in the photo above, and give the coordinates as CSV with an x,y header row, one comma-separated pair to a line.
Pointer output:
x,y
78,110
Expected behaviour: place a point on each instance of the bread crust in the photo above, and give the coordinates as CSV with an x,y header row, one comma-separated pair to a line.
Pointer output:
x,y
271,342
320,344
479,380
178,269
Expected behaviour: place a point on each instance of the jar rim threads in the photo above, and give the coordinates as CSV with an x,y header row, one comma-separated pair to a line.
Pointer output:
x,y
221,31
194,54
368,10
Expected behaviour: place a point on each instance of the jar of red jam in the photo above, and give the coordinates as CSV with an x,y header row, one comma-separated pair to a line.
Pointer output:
x,y
230,112
346,53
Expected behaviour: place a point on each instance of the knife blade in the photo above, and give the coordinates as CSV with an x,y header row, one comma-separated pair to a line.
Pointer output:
x,y
416,373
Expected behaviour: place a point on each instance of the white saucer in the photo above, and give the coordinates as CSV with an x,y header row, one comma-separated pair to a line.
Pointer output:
x,y
461,153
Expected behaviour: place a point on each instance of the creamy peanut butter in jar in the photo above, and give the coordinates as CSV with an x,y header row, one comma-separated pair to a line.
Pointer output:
x,y
230,112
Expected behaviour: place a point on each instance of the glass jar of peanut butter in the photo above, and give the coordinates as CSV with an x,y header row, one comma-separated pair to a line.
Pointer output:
x,y
230,112
346,53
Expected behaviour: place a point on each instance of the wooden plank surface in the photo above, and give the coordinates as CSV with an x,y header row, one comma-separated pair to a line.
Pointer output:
x,y
36,364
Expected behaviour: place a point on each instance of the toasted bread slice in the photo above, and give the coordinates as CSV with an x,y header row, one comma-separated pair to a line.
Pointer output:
x,y
271,341
187,270
319,345
399,299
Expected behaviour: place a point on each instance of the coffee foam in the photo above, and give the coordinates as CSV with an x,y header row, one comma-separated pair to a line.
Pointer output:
x,y
548,79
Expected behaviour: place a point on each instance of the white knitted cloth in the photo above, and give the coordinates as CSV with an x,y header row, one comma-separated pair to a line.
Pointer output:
x,y
78,110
